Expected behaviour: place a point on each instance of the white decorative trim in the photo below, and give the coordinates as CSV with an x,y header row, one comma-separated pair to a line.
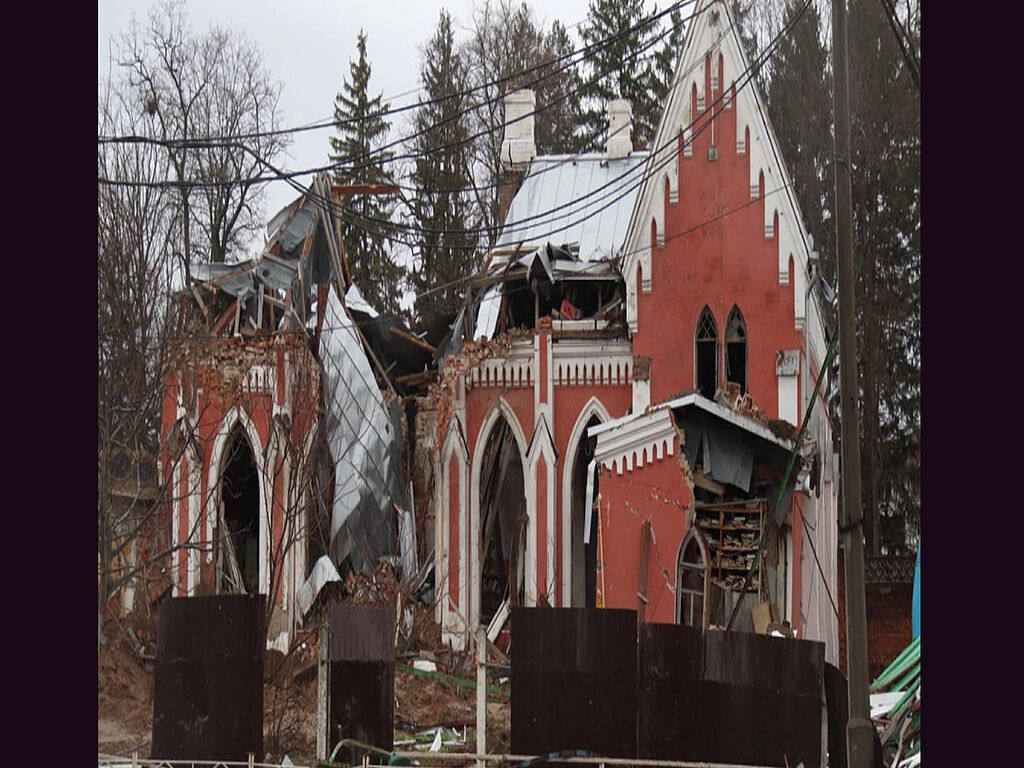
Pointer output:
x,y
293,529
641,395
716,409
788,376
261,378
500,408
592,363
594,407
546,408
192,495
542,445
513,369
646,438
195,481
453,624
236,415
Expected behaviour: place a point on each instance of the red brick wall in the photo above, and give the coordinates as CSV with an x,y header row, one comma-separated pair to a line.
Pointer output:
x,y
889,619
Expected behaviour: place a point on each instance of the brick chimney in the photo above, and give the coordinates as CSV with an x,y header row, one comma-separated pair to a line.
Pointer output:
x,y
620,129
518,146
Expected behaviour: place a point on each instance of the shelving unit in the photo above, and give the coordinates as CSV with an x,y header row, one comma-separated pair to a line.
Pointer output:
x,y
733,532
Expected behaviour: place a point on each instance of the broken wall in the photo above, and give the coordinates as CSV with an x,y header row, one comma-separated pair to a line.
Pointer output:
x,y
655,492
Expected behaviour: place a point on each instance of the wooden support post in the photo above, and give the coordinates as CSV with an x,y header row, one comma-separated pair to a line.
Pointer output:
x,y
322,684
645,555
481,694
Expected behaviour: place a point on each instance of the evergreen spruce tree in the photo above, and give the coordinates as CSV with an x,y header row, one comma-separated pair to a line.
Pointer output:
x,y
667,56
886,157
617,70
885,110
801,85
368,238
443,206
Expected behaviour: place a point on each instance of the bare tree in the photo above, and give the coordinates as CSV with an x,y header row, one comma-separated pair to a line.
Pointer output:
x,y
505,38
217,111
136,229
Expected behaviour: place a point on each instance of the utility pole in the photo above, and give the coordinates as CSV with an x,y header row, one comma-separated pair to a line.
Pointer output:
x,y
860,734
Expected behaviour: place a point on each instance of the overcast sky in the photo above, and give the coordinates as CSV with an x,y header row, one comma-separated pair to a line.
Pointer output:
x,y
308,46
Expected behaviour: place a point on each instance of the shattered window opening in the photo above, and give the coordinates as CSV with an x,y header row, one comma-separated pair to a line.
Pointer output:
x,y
240,504
706,354
736,349
583,556
503,522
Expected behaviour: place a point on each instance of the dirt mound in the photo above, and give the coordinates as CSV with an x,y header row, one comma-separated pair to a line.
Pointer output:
x,y
125,701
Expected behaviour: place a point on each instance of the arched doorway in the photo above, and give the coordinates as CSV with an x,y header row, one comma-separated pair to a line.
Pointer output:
x,y
692,575
503,522
583,547
239,541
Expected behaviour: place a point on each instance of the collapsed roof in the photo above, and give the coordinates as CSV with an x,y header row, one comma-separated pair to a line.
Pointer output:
x,y
301,282
567,222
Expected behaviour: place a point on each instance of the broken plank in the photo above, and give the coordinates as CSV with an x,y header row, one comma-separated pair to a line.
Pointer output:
x,y
223,320
402,334
703,481
201,303
413,379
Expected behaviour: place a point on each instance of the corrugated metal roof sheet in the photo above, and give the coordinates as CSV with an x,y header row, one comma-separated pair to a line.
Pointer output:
x,y
597,223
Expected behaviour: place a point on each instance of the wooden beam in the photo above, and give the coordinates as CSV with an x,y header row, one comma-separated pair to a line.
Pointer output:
x,y
414,379
223,320
703,481
412,339
201,303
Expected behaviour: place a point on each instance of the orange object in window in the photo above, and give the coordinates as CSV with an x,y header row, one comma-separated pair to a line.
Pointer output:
x,y
568,311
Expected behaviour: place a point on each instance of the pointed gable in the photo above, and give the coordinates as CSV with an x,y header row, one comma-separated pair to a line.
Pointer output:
x,y
712,50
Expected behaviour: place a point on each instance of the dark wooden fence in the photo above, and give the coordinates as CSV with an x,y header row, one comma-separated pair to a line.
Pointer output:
x,y
583,679
208,680
574,681
362,673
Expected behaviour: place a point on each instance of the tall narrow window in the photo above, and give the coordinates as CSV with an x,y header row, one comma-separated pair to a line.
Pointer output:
x,y
736,349
707,354
691,580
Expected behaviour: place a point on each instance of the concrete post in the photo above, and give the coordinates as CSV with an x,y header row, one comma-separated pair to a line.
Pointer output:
x,y
860,743
322,683
481,693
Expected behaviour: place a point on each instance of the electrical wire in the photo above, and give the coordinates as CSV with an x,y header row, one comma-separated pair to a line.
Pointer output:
x,y
584,51
287,175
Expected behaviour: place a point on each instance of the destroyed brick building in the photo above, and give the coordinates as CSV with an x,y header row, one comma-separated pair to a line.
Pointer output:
x,y
608,422
622,393
284,429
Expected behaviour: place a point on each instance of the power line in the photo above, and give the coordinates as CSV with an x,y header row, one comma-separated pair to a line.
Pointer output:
x,y
285,175
707,117
584,51
650,169
903,39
